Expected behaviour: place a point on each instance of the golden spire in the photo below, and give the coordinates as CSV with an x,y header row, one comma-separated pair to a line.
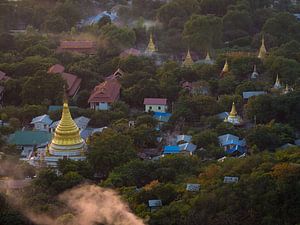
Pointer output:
x,y
207,58
151,46
233,112
262,51
225,68
67,132
188,61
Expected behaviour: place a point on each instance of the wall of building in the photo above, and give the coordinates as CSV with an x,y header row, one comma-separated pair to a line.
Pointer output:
x,y
156,108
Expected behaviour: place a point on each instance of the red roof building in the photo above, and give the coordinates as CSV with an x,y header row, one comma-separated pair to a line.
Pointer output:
x,y
73,81
118,74
57,68
105,94
87,47
155,105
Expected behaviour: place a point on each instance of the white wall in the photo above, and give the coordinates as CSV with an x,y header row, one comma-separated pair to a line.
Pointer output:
x,y
156,108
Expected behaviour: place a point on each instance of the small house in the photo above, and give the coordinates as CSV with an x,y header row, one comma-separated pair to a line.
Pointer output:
x,y
183,138
154,204
105,94
187,148
230,180
232,144
42,123
193,187
155,105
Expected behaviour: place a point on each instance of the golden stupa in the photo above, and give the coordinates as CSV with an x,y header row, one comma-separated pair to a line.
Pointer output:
x,y
225,68
233,117
151,48
262,51
207,58
66,141
188,61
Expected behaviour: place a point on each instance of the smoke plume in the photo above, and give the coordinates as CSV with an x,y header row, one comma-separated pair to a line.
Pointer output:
x,y
92,204
87,205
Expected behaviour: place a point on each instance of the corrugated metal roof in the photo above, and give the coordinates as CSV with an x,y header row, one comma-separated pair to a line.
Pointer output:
x,y
29,138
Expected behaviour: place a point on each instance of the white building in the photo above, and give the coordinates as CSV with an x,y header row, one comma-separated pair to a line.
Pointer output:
x,y
42,123
155,105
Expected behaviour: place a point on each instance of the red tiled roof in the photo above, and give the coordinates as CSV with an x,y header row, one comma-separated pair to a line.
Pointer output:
x,y
57,68
155,101
77,44
108,91
73,83
119,73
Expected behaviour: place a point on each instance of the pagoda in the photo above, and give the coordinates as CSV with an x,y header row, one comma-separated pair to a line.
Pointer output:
x,y
262,51
66,141
207,58
188,61
233,116
277,84
151,48
225,68
254,74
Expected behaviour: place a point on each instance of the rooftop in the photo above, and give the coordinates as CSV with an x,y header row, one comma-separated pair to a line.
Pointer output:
x,y
29,138
42,119
155,101
108,91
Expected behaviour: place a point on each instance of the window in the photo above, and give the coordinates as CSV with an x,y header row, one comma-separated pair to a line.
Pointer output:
x,y
150,107
159,108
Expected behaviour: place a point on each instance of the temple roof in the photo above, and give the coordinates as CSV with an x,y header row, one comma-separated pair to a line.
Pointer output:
x,y
108,91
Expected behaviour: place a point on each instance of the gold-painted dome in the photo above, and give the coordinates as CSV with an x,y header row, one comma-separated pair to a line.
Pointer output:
x,y
67,132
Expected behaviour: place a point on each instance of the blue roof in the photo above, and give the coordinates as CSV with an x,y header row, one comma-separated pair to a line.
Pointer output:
x,y
236,148
171,149
162,117
249,94
227,138
42,119
188,147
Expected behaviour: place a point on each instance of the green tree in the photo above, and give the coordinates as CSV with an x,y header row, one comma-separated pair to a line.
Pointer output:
x,y
203,32
36,89
110,149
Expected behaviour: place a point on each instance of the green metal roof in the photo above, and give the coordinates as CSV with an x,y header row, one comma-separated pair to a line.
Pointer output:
x,y
29,138
53,108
